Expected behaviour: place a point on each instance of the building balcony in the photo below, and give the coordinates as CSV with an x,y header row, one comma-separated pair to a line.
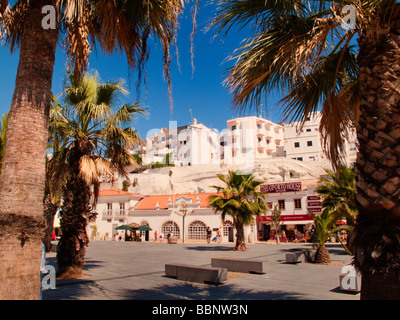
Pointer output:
x,y
107,214
119,214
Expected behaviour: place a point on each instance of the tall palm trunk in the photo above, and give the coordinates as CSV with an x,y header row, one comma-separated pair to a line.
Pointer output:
x,y
75,215
240,241
23,173
49,212
377,233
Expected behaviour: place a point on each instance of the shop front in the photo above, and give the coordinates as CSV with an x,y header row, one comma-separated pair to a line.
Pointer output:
x,y
296,227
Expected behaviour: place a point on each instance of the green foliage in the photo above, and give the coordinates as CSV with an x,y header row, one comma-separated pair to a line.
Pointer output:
x,y
338,192
125,185
240,198
138,159
276,216
301,49
92,124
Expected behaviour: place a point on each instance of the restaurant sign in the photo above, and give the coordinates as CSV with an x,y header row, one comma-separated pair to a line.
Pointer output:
x,y
281,187
287,217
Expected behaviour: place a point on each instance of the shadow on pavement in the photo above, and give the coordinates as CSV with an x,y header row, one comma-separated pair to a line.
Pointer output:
x,y
179,291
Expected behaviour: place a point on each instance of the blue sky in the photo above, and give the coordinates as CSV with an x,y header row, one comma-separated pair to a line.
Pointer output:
x,y
202,91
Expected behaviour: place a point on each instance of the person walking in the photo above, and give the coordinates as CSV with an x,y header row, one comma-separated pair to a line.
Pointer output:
x,y
155,236
218,236
209,234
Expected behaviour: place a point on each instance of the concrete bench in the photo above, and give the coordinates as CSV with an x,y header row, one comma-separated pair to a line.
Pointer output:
x,y
53,247
236,265
300,256
196,274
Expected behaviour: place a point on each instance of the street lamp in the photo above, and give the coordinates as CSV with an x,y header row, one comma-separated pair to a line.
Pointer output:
x,y
183,211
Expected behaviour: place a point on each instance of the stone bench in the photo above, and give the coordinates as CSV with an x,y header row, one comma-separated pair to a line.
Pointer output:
x,y
53,246
300,256
236,265
196,274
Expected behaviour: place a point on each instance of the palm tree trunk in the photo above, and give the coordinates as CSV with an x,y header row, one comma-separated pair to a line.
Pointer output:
x,y
240,243
376,236
75,215
322,255
49,212
23,173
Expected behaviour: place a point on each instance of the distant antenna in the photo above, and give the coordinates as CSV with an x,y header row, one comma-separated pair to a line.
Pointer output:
x,y
191,114
260,111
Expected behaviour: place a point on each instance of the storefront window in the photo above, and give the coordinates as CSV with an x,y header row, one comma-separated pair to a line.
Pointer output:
x,y
172,227
197,231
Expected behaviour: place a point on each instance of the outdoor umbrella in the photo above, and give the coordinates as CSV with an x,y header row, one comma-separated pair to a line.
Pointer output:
x,y
133,225
123,228
144,228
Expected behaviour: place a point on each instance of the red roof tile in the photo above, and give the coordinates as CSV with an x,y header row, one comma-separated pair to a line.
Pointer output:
x,y
150,202
114,192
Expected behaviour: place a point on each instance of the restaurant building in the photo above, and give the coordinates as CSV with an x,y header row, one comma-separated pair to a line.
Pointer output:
x,y
294,199
187,216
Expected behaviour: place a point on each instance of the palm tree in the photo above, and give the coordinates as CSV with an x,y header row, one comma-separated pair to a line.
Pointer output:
x,y
124,26
324,228
240,200
53,191
351,72
338,192
96,145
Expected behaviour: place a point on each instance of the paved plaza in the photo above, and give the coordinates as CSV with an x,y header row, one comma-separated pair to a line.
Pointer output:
x,y
135,270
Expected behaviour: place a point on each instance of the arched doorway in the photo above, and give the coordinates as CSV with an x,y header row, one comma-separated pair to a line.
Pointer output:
x,y
171,226
145,234
228,230
197,230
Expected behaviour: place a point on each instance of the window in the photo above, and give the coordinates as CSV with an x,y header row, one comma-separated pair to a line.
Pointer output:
x,y
109,208
197,230
281,204
309,143
259,139
297,203
300,158
122,208
308,130
297,144
172,227
258,126
233,127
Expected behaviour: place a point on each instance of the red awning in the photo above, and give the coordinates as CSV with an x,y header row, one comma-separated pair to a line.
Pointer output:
x,y
291,217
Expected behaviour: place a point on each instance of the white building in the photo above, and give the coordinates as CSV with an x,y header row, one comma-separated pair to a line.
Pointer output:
x,y
294,199
112,209
186,216
252,137
304,144
186,145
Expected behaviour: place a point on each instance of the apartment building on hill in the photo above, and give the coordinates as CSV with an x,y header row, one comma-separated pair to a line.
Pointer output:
x,y
243,140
